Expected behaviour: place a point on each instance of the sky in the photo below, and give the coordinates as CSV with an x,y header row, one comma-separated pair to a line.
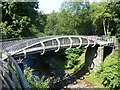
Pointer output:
x,y
47,6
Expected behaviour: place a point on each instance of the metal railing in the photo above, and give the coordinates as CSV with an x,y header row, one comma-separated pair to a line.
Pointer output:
x,y
14,47
11,75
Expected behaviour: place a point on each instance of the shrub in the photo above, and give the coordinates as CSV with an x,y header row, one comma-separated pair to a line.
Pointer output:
x,y
110,71
34,81
72,55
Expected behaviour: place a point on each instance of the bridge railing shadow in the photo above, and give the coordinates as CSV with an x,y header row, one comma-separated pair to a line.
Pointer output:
x,y
81,72
90,54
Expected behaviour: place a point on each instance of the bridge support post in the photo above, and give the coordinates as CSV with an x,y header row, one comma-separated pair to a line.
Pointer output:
x,y
94,57
0,78
98,60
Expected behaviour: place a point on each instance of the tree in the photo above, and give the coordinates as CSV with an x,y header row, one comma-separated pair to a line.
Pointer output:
x,y
60,24
104,17
81,22
66,24
21,19
52,20
115,7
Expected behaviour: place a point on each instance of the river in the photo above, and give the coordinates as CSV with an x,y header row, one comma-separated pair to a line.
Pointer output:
x,y
45,65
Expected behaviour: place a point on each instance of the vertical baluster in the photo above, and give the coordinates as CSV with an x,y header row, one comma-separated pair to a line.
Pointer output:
x,y
0,74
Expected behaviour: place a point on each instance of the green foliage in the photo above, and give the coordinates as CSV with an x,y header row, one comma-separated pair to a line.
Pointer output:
x,y
94,79
21,19
7,31
34,81
110,71
63,63
75,18
72,55
60,24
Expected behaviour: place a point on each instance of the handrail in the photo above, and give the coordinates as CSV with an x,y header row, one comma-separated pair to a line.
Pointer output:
x,y
71,42
19,71
22,46
58,41
43,46
80,42
45,41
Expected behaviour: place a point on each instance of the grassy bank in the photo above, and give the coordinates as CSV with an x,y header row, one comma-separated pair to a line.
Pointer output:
x,y
62,63
108,76
94,78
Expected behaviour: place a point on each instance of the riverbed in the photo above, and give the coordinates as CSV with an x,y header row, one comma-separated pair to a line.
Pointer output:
x,y
45,65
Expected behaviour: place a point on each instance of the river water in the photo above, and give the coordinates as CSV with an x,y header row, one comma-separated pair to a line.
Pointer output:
x,y
39,64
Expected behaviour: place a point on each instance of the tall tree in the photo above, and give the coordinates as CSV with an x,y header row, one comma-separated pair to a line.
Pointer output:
x,y
52,21
115,8
18,18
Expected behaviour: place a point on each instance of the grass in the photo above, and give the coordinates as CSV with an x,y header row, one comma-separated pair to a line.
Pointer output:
x,y
94,79
77,67
62,62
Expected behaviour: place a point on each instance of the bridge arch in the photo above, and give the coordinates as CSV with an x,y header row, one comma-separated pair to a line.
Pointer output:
x,y
69,41
56,42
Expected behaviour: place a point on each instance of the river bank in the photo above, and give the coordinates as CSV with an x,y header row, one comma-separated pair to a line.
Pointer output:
x,y
47,65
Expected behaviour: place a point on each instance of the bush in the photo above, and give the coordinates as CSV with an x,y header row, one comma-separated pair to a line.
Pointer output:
x,y
72,55
109,71
34,81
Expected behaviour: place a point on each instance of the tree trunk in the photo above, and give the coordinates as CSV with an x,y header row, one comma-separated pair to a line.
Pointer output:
x,y
107,32
104,27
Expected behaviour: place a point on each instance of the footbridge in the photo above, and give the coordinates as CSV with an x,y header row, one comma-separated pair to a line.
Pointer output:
x,y
42,44
15,48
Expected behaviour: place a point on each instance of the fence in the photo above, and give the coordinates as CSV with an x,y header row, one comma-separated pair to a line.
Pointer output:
x,y
11,75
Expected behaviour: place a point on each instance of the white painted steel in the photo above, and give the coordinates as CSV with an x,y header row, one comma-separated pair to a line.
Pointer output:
x,y
58,41
43,46
94,44
24,51
70,43
25,44
88,43
80,42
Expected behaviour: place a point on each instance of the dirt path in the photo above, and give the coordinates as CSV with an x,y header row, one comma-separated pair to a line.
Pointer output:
x,y
80,83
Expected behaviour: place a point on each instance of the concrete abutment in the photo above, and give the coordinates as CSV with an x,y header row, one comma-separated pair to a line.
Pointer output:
x,y
95,56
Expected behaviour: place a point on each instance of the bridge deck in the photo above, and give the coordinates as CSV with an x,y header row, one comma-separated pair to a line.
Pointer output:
x,y
43,43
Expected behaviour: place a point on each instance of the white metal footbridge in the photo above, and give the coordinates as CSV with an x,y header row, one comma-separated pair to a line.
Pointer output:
x,y
39,44
42,44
